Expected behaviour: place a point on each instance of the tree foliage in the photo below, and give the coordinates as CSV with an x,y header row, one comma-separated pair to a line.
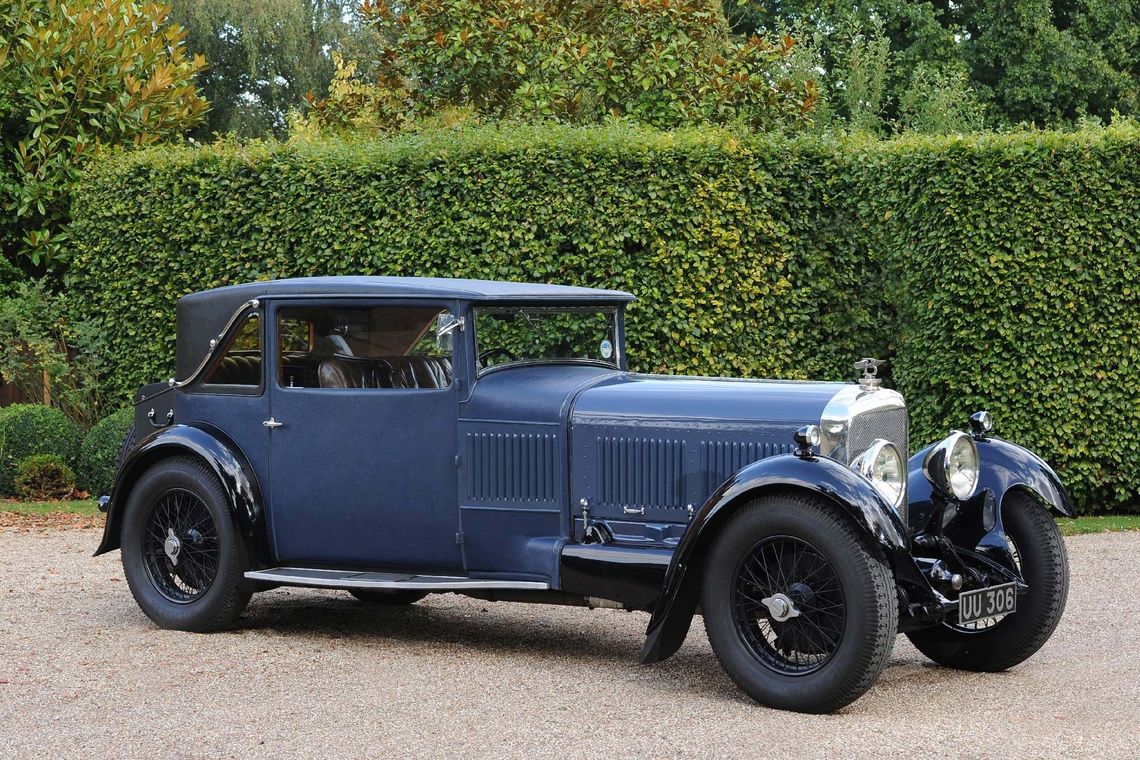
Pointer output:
x,y
1027,61
76,75
664,63
264,57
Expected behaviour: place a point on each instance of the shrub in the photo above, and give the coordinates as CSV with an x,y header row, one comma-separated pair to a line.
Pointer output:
x,y
28,430
44,477
75,77
661,62
994,271
49,356
99,452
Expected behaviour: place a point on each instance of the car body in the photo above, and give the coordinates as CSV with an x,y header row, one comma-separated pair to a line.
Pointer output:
x,y
399,436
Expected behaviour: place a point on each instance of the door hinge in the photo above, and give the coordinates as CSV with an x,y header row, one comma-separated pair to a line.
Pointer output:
x,y
458,461
459,539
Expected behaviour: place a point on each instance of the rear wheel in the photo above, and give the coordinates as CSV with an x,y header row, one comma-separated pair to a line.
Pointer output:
x,y
1001,644
387,598
183,557
799,607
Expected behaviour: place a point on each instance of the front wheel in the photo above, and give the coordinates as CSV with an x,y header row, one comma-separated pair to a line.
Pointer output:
x,y
1044,564
799,606
182,555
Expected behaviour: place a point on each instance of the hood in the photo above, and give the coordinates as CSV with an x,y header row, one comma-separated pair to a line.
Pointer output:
x,y
654,399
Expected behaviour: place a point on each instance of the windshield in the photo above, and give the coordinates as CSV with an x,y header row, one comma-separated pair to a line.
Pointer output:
x,y
506,335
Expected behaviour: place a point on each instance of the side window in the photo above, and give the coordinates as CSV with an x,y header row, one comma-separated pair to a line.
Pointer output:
x,y
395,347
240,363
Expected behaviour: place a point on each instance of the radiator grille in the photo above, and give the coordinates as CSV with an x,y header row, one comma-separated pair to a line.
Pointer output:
x,y
889,424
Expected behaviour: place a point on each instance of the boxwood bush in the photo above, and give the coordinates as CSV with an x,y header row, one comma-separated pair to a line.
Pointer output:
x,y
44,477
30,429
994,271
99,453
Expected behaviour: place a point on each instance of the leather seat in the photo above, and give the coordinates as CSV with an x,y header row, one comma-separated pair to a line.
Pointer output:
x,y
349,372
237,369
387,372
419,371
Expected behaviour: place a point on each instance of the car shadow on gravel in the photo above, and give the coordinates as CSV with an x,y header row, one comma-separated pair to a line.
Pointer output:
x,y
487,626
606,640
601,639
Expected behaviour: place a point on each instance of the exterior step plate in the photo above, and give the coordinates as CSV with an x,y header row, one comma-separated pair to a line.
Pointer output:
x,y
307,576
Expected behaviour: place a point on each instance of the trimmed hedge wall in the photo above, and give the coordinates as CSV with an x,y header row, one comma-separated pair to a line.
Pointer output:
x,y
1014,268
711,233
994,271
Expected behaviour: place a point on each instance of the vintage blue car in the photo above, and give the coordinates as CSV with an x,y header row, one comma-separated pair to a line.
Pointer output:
x,y
395,437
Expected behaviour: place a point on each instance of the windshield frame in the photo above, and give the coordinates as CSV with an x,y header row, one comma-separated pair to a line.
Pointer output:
x,y
615,309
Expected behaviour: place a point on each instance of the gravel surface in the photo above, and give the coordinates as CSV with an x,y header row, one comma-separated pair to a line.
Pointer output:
x,y
84,673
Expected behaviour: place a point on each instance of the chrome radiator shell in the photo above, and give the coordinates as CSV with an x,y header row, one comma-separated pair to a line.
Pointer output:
x,y
856,416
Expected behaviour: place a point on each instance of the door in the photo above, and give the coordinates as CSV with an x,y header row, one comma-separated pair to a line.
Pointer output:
x,y
363,436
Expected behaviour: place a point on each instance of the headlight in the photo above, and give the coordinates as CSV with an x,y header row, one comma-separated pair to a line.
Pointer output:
x,y
952,466
882,464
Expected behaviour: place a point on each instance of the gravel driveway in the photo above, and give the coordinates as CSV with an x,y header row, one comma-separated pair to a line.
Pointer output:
x,y
84,673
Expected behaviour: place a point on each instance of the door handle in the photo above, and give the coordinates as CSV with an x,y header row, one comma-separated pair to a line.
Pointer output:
x,y
272,423
633,511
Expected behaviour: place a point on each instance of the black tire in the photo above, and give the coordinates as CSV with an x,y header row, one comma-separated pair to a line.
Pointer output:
x,y
206,590
860,599
1015,638
387,598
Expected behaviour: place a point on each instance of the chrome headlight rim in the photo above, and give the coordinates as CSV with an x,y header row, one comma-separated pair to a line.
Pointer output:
x,y
892,492
937,466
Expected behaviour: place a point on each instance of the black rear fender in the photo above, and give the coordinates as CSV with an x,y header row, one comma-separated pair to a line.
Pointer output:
x,y
219,452
849,492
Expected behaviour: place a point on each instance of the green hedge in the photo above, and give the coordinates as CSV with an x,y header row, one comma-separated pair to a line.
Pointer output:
x,y
1014,265
28,430
750,255
708,231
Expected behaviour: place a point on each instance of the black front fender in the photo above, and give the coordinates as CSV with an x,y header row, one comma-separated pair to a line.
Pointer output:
x,y
850,491
1004,468
213,447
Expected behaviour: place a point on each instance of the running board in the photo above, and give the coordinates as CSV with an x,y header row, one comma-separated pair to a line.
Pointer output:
x,y
306,576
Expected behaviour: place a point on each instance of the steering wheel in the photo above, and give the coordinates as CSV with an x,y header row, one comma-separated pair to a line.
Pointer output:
x,y
492,352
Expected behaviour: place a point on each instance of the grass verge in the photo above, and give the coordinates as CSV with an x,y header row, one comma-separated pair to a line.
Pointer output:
x,y
72,507
45,515
1105,524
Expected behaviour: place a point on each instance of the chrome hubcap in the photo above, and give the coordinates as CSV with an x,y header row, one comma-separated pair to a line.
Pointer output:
x,y
172,546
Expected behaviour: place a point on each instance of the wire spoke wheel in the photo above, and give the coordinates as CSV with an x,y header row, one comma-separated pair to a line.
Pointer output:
x,y
988,623
181,547
788,605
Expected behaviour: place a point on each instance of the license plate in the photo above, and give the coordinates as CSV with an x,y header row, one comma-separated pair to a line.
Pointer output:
x,y
987,603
